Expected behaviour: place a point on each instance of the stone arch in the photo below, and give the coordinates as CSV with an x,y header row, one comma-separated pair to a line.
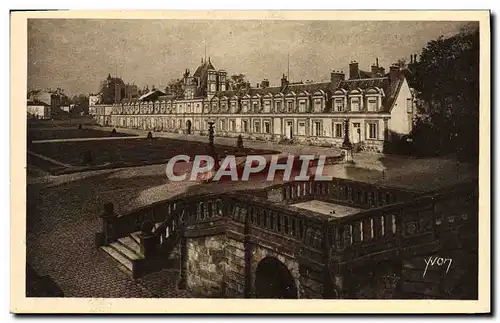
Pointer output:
x,y
274,280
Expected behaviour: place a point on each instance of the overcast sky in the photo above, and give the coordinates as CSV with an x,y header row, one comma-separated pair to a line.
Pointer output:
x,y
77,54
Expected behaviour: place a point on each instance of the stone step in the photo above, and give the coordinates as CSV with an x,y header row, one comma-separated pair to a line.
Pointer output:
x,y
124,251
135,236
127,263
131,244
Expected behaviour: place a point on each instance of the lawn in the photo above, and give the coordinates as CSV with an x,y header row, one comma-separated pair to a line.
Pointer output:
x,y
68,133
125,152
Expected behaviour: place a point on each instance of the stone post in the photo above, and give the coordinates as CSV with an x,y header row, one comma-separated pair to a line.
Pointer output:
x,y
248,246
347,145
184,261
109,225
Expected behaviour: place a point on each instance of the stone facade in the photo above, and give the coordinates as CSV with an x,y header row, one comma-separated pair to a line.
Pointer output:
x,y
379,108
206,270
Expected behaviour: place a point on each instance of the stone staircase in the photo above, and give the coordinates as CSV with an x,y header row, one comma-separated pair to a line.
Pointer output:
x,y
125,251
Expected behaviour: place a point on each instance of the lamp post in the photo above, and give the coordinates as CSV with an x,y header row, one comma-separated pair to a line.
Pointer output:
x,y
347,145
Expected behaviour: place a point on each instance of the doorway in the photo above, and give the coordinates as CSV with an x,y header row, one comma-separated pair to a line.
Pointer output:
x,y
274,280
188,127
289,129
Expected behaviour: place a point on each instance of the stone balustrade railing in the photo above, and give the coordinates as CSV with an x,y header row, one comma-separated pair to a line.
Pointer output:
x,y
337,191
393,222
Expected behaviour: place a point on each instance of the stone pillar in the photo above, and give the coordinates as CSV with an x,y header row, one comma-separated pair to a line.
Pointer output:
x,y
386,130
249,292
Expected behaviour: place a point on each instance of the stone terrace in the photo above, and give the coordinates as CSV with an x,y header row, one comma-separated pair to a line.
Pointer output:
x,y
63,214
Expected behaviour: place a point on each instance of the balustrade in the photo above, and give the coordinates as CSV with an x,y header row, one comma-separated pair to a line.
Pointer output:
x,y
384,225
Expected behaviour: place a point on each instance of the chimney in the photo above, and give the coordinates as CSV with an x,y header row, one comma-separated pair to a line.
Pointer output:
x,y
393,72
284,82
353,70
258,85
336,77
264,84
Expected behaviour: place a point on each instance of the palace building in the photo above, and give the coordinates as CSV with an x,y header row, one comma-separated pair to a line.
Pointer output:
x,y
377,107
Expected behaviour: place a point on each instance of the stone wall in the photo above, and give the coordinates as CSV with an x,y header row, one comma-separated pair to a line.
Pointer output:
x,y
206,268
235,270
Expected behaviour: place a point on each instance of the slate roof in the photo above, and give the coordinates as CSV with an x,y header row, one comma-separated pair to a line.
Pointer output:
x,y
151,93
391,90
37,102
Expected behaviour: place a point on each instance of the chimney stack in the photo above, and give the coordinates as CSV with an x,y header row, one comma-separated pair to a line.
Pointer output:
x,y
393,72
336,77
353,70
264,84
284,82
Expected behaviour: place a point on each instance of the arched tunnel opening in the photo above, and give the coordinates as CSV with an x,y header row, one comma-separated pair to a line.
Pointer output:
x,y
274,280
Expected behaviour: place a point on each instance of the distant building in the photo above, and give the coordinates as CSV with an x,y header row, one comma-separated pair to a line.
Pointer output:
x,y
52,98
38,110
66,108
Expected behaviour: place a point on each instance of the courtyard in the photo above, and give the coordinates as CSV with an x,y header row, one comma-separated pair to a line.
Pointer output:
x,y
67,155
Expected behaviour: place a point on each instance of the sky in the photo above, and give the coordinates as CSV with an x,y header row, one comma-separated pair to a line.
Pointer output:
x,y
76,54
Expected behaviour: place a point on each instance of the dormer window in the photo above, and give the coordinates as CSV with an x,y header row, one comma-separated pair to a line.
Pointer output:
x,y
302,106
267,106
317,105
355,104
372,104
289,106
255,106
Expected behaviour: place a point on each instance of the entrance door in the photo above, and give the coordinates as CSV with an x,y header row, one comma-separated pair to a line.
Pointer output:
x,y
188,127
289,129
356,133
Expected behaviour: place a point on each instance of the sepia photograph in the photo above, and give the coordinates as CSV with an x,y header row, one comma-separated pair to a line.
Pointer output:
x,y
217,156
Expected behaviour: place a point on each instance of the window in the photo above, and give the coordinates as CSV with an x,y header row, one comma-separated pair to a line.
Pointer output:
x,y
372,131
290,106
233,107
223,107
222,125
212,87
338,130
354,104
232,125
245,107
409,106
339,105
302,106
255,106
245,126
278,106
267,127
317,129
267,106
302,128
256,127
317,105
372,104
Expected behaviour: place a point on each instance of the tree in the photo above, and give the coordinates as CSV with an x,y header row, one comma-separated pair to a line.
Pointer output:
x,y
237,82
175,87
447,80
